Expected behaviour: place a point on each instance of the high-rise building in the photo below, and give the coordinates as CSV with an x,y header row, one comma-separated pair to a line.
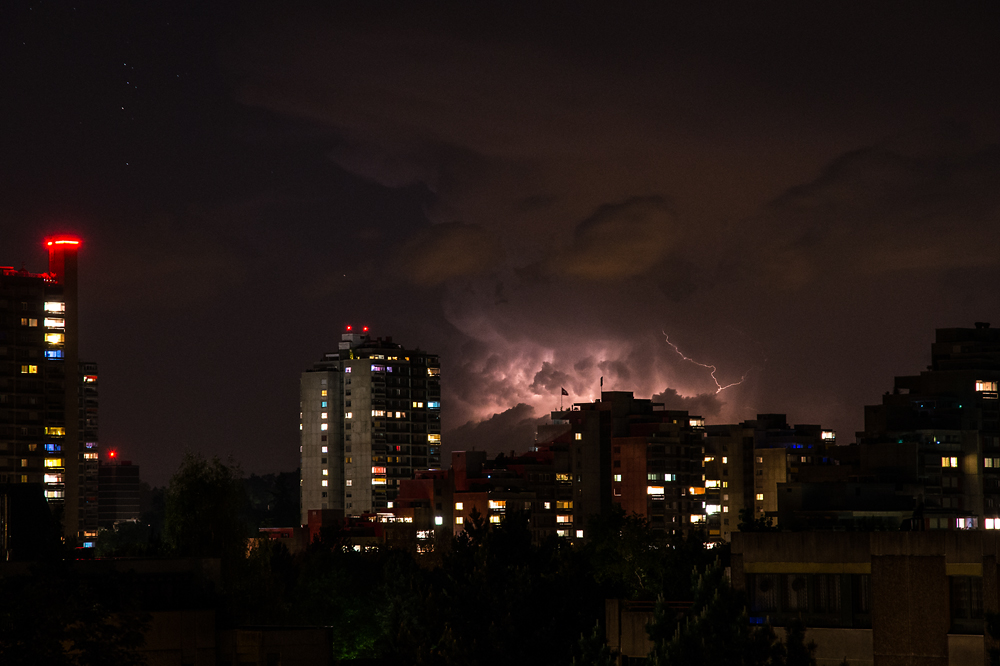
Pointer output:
x,y
369,417
937,434
119,492
40,387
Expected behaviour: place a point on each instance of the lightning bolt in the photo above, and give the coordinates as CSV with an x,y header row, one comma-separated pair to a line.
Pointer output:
x,y
719,387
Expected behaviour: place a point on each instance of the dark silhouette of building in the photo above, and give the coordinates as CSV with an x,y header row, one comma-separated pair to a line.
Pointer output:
x,y
937,434
118,484
40,388
370,417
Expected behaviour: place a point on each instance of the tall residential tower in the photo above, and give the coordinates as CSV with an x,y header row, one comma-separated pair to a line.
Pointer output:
x,y
45,415
369,417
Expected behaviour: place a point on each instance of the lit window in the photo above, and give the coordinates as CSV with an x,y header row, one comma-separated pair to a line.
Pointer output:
x,y
992,523
760,497
725,484
347,460
725,508
669,477
984,387
568,504
495,520
434,404
697,518
498,504
324,426
654,490
326,472
323,449
561,518
949,461
434,439
760,459
90,456
349,482
349,415
712,509
54,322
323,404
562,477
438,520
709,458
433,372
55,306
579,534
828,435
711,484
52,478
58,494
29,322
548,505
459,520
418,405
324,483
53,462
54,338
378,412
347,369
696,423
322,415
323,393
618,478
56,432
459,506
53,353
725,460
29,369
578,435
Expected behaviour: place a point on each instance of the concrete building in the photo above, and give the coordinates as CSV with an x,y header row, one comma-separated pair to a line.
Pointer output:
x,y
881,598
41,417
369,418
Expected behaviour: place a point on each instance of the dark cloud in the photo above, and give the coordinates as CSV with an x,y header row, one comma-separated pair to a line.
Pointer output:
x,y
549,380
446,252
707,405
511,430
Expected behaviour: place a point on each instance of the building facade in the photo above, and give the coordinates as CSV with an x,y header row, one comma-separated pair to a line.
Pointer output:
x,y
370,416
43,405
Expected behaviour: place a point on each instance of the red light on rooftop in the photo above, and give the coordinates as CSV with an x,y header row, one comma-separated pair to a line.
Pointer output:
x,y
62,241
112,454
365,329
348,328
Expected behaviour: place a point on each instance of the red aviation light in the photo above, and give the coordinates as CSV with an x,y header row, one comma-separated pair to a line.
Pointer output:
x,y
364,330
112,453
348,328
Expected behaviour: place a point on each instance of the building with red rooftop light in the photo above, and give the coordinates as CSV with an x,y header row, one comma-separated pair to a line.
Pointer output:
x,y
48,399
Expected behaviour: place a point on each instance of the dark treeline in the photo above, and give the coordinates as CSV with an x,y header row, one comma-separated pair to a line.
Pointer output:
x,y
488,596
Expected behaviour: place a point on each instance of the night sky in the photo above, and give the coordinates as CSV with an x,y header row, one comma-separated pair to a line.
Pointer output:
x,y
795,195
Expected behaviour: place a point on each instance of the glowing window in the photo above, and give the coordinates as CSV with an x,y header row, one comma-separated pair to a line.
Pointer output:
x,y
378,368
326,472
53,353
760,497
949,461
53,478
57,494
696,423
323,449
459,520
697,518
29,369
55,306
25,321
418,405
564,504
433,372
324,426
322,415
579,534
828,435
562,518
323,404
56,432
438,520
654,490
725,460
349,415
578,435
434,439
711,484
459,506
325,483
495,520
54,338
562,477
760,459
618,478
349,482
982,386
498,504
90,456
712,509
53,462
992,523
991,462
725,508
323,393
55,322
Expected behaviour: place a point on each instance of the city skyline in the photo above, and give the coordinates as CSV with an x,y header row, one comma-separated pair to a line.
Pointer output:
x,y
797,199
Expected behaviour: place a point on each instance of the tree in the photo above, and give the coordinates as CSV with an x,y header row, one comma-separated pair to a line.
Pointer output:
x,y
204,507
